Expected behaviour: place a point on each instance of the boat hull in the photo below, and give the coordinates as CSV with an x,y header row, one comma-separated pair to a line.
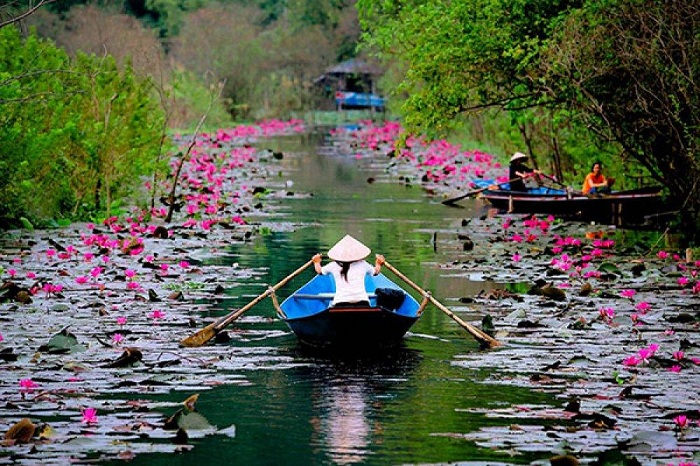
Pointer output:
x,y
361,327
309,314
622,207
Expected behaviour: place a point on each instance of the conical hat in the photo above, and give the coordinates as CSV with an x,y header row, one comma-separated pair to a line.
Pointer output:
x,y
519,155
348,249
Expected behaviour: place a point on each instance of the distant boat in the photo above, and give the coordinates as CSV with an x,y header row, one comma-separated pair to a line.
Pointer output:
x,y
618,207
309,314
346,100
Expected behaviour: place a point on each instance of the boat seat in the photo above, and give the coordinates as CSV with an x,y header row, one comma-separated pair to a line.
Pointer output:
x,y
321,295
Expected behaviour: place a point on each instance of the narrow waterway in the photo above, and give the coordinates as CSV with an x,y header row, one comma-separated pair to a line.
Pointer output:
x,y
406,406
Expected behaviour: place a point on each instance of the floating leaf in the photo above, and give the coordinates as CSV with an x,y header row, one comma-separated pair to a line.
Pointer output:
x,y
20,432
62,342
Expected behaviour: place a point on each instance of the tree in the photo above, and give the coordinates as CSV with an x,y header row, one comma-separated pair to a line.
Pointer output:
x,y
622,70
75,134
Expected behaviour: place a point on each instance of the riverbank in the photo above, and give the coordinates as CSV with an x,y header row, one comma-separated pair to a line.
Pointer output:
x,y
606,325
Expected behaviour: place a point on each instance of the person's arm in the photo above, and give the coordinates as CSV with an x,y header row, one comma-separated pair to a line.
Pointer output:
x,y
602,184
378,261
317,263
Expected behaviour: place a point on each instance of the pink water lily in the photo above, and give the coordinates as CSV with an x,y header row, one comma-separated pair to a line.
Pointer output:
x,y
117,338
643,307
89,416
27,384
681,421
628,293
662,254
675,368
157,314
121,320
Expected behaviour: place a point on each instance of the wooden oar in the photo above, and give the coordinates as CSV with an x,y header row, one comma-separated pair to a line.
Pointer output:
x,y
483,338
451,201
207,333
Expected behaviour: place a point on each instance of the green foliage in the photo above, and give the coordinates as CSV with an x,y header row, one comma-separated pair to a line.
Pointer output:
x,y
74,134
613,74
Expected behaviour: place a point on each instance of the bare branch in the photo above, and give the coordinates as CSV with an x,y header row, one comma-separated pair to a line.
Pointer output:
x,y
27,13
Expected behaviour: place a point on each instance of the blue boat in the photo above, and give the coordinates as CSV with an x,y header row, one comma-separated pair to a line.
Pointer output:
x,y
382,324
344,99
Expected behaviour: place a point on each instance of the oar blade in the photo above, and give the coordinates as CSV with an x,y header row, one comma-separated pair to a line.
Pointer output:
x,y
201,337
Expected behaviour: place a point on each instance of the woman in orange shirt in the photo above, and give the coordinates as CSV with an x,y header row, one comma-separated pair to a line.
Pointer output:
x,y
595,182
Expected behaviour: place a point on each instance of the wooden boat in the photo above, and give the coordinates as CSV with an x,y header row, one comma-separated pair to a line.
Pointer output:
x,y
391,313
617,207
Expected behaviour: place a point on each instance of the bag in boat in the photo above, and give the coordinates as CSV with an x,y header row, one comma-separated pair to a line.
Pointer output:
x,y
389,298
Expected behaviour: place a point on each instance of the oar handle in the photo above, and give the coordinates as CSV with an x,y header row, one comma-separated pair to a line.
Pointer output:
x,y
234,315
476,191
479,335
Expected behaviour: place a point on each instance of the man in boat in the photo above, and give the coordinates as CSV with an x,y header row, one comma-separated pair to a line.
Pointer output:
x,y
595,182
349,269
519,171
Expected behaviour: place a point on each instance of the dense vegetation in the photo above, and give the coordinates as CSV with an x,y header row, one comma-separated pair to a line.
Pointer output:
x,y
621,74
89,89
569,81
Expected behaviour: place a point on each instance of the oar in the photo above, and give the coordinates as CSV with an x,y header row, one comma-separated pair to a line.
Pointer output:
x,y
476,191
483,338
207,333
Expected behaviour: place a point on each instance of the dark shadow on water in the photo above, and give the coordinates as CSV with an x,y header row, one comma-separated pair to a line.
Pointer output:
x,y
375,361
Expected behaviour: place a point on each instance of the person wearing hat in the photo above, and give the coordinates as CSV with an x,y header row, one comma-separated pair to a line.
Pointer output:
x,y
519,171
349,269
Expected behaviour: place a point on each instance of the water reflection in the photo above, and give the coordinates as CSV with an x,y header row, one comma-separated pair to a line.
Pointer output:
x,y
344,422
350,396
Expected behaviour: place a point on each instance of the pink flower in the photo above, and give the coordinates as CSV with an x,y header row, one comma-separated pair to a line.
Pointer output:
x,y
184,264
516,257
1,337
678,355
89,416
81,279
662,254
31,275
157,314
643,307
130,273
133,285
682,281
121,320
675,368
117,338
627,293
631,361
95,272
27,384
12,272
681,421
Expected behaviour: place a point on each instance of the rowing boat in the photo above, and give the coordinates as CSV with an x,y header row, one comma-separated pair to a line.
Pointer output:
x,y
618,207
391,313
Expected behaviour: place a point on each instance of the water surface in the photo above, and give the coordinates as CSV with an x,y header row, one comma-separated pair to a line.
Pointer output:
x,y
409,405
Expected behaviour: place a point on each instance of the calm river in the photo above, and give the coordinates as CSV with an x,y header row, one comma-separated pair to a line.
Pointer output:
x,y
407,406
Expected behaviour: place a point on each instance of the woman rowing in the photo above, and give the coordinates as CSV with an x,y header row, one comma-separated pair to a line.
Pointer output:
x,y
349,269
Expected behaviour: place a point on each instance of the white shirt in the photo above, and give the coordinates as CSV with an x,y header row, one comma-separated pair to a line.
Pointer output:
x,y
352,290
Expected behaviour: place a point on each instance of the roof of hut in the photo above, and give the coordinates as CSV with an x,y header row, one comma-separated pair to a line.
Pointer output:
x,y
354,66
